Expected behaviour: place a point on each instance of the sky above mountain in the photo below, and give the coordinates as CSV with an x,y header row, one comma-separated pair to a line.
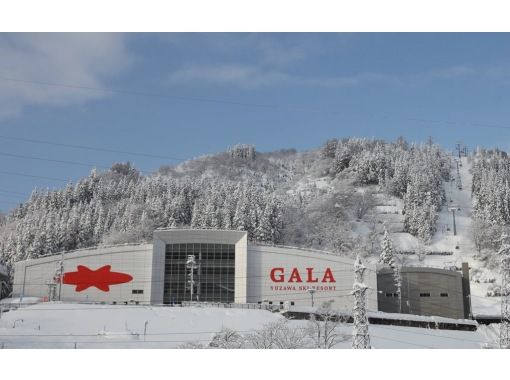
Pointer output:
x,y
178,96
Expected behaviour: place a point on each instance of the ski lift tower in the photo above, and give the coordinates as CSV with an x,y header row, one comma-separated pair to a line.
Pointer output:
x,y
458,146
453,208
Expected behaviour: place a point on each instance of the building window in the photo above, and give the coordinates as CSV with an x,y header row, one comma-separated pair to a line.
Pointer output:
x,y
137,291
214,276
424,294
291,303
281,302
389,294
444,294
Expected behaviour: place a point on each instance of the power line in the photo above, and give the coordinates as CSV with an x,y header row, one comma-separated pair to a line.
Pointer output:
x,y
428,334
60,161
332,258
403,329
34,176
181,341
272,107
13,192
339,260
400,341
127,333
88,147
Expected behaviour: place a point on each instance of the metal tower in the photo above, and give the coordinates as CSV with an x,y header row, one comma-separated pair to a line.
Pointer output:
x,y
504,331
191,264
360,336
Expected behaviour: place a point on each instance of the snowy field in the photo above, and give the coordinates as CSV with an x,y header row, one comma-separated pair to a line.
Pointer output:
x,y
61,325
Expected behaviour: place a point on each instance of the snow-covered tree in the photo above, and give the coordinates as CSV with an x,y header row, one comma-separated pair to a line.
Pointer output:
x,y
278,335
387,252
272,196
228,339
323,326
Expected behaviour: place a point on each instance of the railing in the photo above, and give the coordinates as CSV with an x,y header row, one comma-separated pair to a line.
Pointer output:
x,y
430,253
224,305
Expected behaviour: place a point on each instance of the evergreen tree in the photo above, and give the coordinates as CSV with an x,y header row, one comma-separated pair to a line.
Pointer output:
x,y
386,250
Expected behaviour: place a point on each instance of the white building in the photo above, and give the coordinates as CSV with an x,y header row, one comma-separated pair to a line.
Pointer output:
x,y
228,269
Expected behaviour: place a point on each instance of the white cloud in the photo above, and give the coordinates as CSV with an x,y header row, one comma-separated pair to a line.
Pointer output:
x,y
454,72
264,48
247,77
82,59
250,77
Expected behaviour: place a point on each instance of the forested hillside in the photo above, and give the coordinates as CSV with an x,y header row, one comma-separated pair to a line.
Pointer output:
x,y
491,198
308,199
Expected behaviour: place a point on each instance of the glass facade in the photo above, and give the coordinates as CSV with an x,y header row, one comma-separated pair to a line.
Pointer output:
x,y
213,277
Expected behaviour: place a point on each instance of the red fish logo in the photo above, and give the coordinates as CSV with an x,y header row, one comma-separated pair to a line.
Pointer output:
x,y
100,278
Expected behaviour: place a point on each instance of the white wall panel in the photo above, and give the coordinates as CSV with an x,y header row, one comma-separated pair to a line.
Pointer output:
x,y
31,276
262,259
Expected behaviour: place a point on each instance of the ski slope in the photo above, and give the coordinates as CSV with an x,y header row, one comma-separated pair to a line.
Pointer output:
x,y
61,325
461,244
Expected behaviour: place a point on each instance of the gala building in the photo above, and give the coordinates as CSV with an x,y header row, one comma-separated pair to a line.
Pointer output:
x,y
226,268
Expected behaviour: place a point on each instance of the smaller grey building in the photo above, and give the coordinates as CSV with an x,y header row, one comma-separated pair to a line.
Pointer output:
x,y
425,291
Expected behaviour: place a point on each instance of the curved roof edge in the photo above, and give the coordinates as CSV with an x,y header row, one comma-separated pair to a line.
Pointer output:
x,y
263,244
91,249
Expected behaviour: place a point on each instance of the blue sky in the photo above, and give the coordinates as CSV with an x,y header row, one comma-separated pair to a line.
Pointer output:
x,y
183,95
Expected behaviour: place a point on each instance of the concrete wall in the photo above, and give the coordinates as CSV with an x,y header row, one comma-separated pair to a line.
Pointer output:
x,y
263,259
31,276
417,282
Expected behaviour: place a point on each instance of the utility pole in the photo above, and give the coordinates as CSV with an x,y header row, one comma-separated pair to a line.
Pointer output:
x,y
311,291
145,330
59,273
504,330
360,336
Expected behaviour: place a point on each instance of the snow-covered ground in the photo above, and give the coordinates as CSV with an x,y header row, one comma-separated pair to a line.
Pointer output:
x,y
60,325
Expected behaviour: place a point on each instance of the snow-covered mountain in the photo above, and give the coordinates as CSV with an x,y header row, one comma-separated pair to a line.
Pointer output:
x,y
308,199
339,197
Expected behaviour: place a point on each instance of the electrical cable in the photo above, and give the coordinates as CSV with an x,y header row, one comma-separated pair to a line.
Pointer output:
x,y
62,161
91,148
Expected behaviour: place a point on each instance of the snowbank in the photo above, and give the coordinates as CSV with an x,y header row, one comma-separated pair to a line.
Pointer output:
x,y
60,325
